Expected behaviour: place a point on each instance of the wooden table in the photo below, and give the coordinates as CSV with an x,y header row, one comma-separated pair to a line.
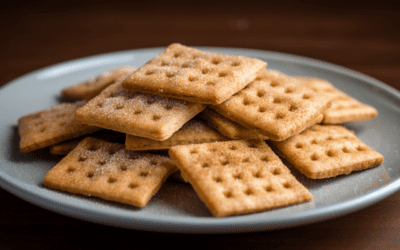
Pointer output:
x,y
362,37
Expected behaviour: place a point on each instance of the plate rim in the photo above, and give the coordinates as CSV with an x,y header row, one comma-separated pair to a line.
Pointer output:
x,y
208,225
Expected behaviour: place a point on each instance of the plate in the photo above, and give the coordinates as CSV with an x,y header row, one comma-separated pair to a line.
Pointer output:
x,y
176,207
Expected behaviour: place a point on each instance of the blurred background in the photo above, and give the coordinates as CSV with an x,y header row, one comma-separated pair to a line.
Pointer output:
x,y
360,35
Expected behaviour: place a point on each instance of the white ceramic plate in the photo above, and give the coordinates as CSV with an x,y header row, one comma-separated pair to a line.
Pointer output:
x,y
176,208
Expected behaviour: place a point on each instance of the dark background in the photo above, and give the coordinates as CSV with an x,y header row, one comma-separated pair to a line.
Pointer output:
x,y
360,35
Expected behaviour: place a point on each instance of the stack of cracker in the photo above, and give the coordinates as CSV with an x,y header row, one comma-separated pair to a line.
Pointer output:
x,y
213,113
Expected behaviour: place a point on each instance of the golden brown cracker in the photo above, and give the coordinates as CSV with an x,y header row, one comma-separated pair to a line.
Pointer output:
x,y
230,128
238,177
106,170
92,87
193,132
51,126
275,104
344,108
186,73
137,114
324,151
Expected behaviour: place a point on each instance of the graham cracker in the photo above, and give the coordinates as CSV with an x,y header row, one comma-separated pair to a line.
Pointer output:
x,y
63,148
92,87
106,170
190,74
51,126
324,151
238,177
193,132
230,128
138,114
275,104
344,108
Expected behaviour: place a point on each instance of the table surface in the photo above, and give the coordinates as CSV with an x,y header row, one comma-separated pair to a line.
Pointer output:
x,y
363,37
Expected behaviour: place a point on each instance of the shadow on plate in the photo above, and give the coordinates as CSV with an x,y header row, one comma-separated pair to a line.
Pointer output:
x,y
14,155
96,201
354,127
61,99
180,198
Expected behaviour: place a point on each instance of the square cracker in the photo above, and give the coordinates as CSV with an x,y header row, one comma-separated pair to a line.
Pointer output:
x,y
193,132
230,128
92,87
51,126
238,177
344,108
275,104
193,75
324,151
106,170
138,114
